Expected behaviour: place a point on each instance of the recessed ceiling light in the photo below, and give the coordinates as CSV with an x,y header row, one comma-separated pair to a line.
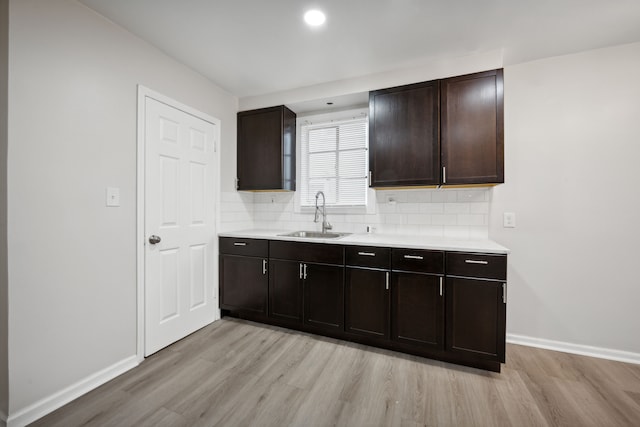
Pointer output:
x,y
314,18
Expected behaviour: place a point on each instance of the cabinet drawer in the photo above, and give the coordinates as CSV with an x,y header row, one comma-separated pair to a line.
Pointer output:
x,y
247,247
368,256
418,260
307,252
468,264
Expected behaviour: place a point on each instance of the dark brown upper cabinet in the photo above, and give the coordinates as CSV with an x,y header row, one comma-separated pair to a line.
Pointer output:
x,y
267,149
472,129
403,135
442,132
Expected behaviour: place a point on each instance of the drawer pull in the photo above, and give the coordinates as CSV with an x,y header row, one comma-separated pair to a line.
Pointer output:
x,y
474,261
366,253
413,257
239,244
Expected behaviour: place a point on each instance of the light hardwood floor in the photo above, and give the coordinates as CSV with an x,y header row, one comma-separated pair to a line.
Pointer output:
x,y
238,373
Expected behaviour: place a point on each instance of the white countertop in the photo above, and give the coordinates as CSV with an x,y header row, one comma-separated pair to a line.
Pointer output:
x,y
376,239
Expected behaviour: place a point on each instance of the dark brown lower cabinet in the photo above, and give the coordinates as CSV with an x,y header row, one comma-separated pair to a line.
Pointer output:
x,y
367,302
304,292
285,291
323,296
476,313
243,284
417,315
445,305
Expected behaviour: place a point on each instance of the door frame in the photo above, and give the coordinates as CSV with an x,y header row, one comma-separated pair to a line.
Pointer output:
x,y
143,93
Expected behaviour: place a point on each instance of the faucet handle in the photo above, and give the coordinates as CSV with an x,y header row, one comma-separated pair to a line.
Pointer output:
x,y
328,226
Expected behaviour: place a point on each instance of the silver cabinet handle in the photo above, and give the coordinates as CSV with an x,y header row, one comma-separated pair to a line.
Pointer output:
x,y
264,266
441,290
366,253
300,274
474,261
504,293
239,244
387,286
305,271
413,257
444,174
154,240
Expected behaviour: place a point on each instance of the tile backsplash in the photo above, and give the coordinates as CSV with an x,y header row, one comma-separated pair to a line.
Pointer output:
x,y
457,213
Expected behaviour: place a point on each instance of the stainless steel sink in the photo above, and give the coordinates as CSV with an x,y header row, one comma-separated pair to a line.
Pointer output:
x,y
315,234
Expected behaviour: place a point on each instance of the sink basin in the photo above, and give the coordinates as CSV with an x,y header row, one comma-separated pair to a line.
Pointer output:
x,y
315,234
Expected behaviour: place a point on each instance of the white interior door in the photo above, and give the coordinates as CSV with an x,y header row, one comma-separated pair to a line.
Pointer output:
x,y
180,218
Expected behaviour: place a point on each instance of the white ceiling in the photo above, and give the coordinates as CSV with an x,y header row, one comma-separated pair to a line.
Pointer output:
x,y
254,47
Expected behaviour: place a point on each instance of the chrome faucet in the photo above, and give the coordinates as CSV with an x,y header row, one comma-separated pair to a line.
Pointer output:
x,y
325,224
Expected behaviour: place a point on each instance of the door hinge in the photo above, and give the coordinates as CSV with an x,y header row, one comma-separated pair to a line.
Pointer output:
x,y
237,183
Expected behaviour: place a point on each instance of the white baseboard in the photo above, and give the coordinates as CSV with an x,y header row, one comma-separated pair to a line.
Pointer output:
x,y
584,350
49,404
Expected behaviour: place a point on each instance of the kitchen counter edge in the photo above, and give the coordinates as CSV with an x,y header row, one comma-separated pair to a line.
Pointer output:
x,y
381,240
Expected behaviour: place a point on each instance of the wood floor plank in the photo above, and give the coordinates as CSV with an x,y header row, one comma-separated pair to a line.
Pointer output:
x,y
84,410
164,418
238,373
517,399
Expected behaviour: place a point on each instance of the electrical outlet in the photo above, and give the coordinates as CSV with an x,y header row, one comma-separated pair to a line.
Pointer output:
x,y
509,220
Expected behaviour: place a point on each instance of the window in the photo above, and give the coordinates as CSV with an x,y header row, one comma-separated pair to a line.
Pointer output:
x,y
334,159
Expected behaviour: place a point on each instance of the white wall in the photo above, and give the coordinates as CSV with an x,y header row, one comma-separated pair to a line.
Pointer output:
x,y
429,70
4,81
72,133
572,129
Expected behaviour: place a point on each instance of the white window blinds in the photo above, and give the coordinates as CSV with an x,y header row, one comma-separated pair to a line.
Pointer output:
x,y
334,160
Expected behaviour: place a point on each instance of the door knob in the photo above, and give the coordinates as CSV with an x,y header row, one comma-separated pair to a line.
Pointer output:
x,y
154,239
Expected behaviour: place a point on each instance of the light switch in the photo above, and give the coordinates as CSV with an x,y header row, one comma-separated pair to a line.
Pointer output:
x,y
113,196
509,220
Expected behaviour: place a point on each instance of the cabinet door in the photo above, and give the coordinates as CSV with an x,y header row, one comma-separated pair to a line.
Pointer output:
x,y
476,318
472,129
243,283
404,135
324,296
417,310
266,149
367,302
285,291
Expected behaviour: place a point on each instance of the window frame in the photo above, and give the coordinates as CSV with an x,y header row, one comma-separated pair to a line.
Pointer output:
x,y
320,118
